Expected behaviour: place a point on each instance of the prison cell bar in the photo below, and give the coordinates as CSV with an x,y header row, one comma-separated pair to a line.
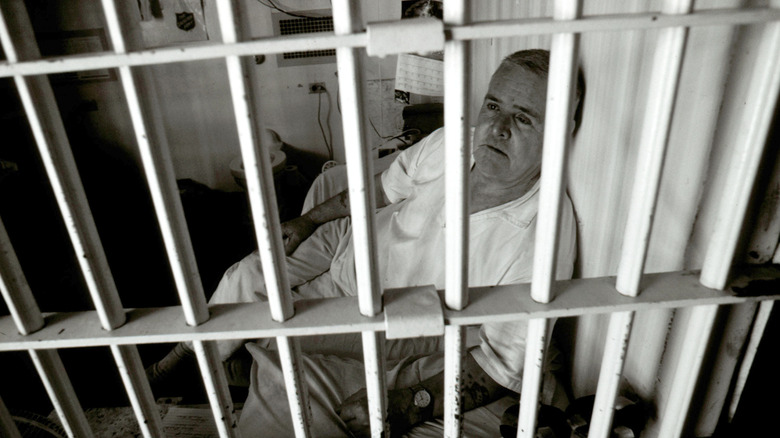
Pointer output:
x,y
15,289
761,99
158,166
473,31
7,426
756,334
561,85
257,165
46,124
667,67
28,318
347,19
457,72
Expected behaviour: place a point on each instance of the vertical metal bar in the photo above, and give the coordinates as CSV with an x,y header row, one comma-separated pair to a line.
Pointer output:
x,y
612,363
259,175
216,386
294,383
7,425
454,352
457,137
376,381
138,390
762,317
686,375
160,176
347,18
756,119
63,397
15,289
46,123
667,65
260,185
557,132
760,103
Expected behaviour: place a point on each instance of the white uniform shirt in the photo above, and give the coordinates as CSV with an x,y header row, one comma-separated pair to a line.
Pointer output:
x,y
411,247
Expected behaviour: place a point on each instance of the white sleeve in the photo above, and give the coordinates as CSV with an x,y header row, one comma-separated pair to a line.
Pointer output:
x,y
413,165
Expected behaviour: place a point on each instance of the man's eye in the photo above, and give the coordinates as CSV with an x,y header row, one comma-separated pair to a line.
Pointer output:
x,y
492,106
523,119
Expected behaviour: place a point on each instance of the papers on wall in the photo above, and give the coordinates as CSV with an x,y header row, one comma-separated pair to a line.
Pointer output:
x,y
419,75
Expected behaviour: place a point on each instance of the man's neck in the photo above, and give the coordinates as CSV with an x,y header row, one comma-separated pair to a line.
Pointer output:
x,y
484,195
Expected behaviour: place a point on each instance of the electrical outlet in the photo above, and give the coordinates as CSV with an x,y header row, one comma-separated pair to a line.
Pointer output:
x,y
316,87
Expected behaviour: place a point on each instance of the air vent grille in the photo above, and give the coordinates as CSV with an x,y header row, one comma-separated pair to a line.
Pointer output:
x,y
284,25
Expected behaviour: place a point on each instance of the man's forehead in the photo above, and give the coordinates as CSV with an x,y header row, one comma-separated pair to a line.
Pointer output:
x,y
514,79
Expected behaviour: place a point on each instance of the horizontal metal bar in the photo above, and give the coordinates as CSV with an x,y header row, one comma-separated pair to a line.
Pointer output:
x,y
612,22
324,41
340,315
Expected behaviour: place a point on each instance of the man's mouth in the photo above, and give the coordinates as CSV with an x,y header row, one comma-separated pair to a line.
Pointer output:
x,y
494,149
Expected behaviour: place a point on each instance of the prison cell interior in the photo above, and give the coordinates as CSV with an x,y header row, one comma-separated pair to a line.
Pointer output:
x,y
677,113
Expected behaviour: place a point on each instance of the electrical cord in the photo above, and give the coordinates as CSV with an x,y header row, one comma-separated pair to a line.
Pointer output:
x,y
319,122
273,5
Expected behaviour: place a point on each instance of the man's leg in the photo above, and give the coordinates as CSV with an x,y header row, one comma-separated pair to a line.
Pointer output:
x,y
244,282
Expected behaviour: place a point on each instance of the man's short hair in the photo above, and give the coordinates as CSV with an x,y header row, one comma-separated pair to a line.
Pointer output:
x,y
538,61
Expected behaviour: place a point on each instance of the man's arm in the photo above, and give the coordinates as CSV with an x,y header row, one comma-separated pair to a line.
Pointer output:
x,y
299,229
478,389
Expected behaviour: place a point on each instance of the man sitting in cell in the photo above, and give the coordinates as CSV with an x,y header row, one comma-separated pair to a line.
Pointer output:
x,y
410,225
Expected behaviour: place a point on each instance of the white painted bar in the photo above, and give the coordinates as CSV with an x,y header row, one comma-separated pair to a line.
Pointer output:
x,y
561,89
613,22
160,175
557,132
347,19
260,185
667,65
7,426
158,167
533,367
612,363
294,43
46,123
15,289
376,381
259,176
757,117
686,375
138,390
454,354
457,137
295,384
216,386
757,332
60,390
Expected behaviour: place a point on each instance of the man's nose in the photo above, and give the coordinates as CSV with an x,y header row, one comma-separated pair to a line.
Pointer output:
x,y
501,125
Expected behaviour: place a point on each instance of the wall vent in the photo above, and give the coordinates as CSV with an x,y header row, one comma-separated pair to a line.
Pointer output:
x,y
304,22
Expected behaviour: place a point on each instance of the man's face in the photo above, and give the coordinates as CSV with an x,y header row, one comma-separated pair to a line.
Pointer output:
x,y
510,127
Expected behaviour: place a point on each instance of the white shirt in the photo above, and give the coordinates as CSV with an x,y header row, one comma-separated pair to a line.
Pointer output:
x,y
411,239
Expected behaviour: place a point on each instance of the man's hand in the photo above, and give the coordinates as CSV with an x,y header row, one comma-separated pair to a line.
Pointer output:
x,y
401,412
296,231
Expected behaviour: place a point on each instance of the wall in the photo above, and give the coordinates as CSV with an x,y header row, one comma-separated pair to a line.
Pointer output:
x,y
195,99
601,168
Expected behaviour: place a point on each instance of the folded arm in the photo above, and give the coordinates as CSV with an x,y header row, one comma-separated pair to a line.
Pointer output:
x,y
299,229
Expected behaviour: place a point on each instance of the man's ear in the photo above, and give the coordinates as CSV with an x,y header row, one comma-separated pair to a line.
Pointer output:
x,y
575,113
